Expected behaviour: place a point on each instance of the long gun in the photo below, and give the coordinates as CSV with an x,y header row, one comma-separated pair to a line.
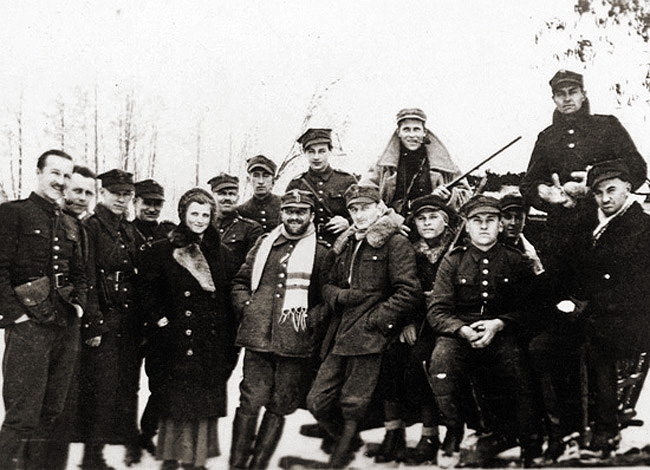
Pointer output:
x,y
467,173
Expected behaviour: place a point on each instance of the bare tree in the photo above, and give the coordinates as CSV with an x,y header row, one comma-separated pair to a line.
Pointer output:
x,y
197,164
127,137
19,122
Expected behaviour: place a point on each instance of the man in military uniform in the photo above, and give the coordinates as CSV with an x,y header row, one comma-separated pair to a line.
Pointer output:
x,y
327,184
371,287
477,301
79,192
237,233
415,163
556,174
110,361
148,202
513,215
264,206
277,293
43,289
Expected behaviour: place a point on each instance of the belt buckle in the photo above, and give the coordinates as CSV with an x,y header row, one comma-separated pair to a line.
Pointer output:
x,y
59,280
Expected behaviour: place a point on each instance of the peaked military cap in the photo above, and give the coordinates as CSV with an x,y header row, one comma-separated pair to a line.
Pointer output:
x,y
434,203
480,205
297,198
117,180
149,189
223,181
607,170
260,161
358,193
315,136
565,77
512,201
411,113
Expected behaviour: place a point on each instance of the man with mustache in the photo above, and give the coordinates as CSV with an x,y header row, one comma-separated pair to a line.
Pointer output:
x,y
415,163
263,207
43,289
555,181
277,293
237,233
327,185
148,202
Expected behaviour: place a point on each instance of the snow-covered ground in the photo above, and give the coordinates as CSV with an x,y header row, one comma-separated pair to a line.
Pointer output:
x,y
292,443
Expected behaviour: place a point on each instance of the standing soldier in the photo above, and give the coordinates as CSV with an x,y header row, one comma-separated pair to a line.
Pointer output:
x,y
477,302
148,202
109,377
264,206
371,288
237,233
326,184
556,174
42,289
415,163
278,295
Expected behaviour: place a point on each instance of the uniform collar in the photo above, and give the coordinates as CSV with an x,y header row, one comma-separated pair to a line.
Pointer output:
x,y
49,207
111,221
572,120
323,176
478,255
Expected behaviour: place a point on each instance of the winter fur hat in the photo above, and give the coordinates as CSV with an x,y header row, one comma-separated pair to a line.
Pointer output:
x,y
200,196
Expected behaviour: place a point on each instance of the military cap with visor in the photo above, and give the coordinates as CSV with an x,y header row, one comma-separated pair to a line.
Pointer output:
x,y
480,205
223,181
410,113
260,162
117,180
361,193
297,198
513,201
433,203
149,189
607,170
565,78
315,136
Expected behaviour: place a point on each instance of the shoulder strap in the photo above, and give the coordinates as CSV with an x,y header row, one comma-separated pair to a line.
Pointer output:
x,y
317,196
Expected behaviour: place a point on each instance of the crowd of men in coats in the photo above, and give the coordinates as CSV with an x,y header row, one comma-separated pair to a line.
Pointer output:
x,y
336,292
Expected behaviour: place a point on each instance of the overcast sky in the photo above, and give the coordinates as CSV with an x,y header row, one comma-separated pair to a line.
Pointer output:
x,y
248,69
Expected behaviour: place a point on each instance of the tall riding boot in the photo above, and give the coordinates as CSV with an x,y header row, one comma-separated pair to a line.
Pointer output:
x,y
243,435
267,440
93,458
343,454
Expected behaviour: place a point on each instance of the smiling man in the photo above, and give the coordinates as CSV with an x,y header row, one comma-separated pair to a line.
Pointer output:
x,y
555,181
42,275
264,206
237,233
325,183
415,163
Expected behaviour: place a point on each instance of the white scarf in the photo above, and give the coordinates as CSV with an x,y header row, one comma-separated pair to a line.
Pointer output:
x,y
299,269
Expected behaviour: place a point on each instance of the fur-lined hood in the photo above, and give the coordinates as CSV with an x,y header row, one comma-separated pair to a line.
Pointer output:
x,y
439,158
389,223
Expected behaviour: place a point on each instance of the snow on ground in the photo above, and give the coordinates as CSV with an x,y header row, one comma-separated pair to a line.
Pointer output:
x,y
292,443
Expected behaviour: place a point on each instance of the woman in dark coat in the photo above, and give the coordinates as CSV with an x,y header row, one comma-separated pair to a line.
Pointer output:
x,y
187,281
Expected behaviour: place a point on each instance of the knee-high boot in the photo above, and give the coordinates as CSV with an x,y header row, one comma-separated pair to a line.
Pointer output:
x,y
343,454
243,435
268,436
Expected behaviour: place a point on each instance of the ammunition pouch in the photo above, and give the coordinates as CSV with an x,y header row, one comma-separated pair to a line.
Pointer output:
x,y
35,295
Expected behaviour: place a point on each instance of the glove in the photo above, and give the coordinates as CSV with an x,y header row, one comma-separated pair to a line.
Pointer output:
x,y
350,297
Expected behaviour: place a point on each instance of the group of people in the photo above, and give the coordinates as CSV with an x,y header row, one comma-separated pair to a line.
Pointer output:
x,y
406,288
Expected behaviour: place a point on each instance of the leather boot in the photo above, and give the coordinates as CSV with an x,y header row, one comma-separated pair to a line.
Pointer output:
x,y
268,436
93,458
243,435
425,451
343,454
393,447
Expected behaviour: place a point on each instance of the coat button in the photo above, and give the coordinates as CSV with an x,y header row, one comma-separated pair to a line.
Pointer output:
x,y
37,231
571,131
484,294
374,258
463,281
187,293
55,257
188,313
122,246
485,271
126,305
278,295
56,266
486,261
56,239
505,279
571,145
485,283
280,285
263,212
56,247
320,191
188,332
281,275
263,219
320,183
248,302
607,276
190,352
